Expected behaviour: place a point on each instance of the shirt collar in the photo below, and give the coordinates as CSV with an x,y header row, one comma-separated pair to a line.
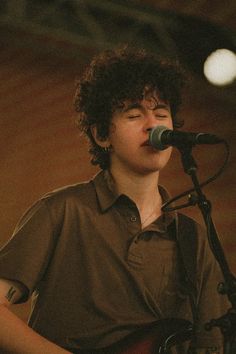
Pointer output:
x,y
107,194
105,189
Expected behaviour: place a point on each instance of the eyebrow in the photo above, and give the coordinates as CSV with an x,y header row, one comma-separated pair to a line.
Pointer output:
x,y
133,106
138,105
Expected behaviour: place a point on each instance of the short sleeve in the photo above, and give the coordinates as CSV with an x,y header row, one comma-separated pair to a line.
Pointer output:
x,y
25,256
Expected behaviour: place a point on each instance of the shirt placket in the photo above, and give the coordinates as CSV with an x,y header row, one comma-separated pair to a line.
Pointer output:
x,y
130,213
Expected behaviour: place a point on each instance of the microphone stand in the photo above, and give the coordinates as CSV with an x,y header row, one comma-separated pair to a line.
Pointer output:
x,y
226,323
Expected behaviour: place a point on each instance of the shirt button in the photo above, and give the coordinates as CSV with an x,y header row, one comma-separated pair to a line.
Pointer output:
x,y
133,219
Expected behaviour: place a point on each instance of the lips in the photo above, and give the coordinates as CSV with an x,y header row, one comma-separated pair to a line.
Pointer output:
x,y
146,143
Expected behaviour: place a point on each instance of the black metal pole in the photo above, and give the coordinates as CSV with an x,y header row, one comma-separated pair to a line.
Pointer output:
x,y
227,323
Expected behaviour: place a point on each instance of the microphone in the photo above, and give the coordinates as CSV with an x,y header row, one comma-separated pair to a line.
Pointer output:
x,y
161,138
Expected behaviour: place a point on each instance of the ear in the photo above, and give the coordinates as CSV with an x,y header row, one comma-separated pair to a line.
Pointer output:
x,y
102,142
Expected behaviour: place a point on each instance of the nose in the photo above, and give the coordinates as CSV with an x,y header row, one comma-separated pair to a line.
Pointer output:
x,y
150,122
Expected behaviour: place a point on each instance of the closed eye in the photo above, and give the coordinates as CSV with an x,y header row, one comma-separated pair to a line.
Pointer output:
x,y
161,115
134,116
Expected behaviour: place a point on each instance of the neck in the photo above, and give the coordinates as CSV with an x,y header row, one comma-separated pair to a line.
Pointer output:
x,y
142,189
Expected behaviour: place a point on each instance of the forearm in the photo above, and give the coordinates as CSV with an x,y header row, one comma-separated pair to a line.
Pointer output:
x,y
17,338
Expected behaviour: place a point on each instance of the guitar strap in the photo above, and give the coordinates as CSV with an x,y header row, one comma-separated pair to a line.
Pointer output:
x,y
187,239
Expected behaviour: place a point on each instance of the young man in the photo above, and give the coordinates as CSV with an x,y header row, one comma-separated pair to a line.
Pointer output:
x,y
100,259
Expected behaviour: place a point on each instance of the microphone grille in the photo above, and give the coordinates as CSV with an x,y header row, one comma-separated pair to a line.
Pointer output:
x,y
155,137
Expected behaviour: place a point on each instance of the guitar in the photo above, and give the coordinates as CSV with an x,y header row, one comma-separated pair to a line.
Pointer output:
x,y
156,338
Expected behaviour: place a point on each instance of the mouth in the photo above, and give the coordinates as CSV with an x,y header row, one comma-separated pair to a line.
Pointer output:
x,y
146,143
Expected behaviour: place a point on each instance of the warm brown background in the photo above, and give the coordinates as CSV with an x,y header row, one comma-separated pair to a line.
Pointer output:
x,y
41,149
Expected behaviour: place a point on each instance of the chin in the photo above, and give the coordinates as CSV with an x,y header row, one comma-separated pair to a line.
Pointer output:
x,y
157,165
146,170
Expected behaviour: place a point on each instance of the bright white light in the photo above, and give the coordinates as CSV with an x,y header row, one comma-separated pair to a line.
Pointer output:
x,y
220,67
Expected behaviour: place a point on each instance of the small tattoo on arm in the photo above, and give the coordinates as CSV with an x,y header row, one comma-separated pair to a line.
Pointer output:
x,y
10,294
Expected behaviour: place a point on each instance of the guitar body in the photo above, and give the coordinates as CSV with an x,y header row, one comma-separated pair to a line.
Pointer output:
x,y
156,338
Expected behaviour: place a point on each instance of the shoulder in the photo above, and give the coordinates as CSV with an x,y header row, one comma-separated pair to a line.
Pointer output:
x,y
70,200
59,203
73,192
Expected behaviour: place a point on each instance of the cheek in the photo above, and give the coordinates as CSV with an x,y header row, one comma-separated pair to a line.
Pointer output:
x,y
169,152
169,124
120,142
121,136
165,155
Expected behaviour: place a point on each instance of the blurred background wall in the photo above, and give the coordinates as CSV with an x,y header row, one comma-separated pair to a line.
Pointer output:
x,y
44,47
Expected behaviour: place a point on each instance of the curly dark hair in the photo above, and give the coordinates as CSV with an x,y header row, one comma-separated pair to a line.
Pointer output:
x,y
116,76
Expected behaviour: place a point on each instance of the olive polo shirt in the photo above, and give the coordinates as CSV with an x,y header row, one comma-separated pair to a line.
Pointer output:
x,y
94,274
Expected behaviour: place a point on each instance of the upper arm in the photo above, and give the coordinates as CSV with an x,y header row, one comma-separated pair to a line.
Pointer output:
x,y
10,291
